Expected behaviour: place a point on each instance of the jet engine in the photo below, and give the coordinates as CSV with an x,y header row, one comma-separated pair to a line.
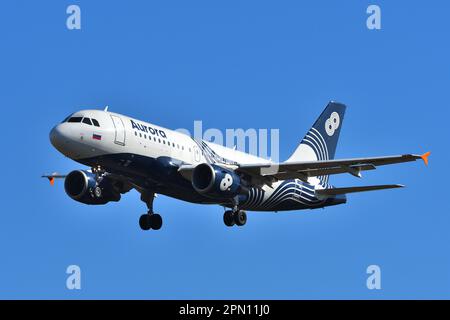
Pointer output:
x,y
216,182
84,186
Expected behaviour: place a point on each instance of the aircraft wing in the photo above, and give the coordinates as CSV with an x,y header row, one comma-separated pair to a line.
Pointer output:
x,y
305,169
53,176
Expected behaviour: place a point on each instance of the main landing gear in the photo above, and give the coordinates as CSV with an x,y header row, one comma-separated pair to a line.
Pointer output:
x,y
231,218
235,216
150,220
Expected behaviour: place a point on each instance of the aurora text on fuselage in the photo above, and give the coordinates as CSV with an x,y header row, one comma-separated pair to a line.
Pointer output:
x,y
146,129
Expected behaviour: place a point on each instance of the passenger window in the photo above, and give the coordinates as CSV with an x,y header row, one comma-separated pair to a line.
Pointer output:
x,y
95,122
140,135
135,133
87,121
75,119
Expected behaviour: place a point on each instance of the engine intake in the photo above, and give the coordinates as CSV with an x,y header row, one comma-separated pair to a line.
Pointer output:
x,y
217,182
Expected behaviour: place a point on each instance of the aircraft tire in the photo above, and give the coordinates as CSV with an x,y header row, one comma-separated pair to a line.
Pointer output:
x,y
156,221
240,218
145,222
228,218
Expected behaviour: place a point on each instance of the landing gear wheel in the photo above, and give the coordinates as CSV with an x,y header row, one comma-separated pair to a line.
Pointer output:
x,y
240,218
155,221
144,222
228,218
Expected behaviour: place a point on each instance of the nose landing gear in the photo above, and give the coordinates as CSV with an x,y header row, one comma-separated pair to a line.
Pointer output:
x,y
150,220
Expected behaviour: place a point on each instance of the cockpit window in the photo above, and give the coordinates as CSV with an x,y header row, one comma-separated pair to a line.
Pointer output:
x,y
75,119
65,119
87,121
95,122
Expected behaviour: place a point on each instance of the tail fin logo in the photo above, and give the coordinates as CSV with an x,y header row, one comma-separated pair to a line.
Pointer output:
x,y
332,123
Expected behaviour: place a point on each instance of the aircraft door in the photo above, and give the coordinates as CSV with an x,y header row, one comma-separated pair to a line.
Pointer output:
x,y
196,154
120,130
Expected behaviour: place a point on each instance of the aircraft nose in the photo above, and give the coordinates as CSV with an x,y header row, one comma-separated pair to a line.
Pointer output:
x,y
57,137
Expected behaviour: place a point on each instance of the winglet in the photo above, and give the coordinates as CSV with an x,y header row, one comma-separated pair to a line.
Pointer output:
x,y
52,177
425,157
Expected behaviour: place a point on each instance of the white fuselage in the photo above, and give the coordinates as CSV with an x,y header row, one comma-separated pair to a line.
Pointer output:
x,y
122,134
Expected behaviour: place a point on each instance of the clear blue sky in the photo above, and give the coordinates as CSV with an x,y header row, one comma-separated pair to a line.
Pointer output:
x,y
231,64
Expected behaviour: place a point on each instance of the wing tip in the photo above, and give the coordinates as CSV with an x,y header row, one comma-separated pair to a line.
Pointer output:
x,y
425,156
50,178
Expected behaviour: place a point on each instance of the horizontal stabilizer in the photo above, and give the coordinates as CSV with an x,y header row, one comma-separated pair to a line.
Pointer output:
x,y
337,191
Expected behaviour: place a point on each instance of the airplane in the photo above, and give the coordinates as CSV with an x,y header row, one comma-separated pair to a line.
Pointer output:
x,y
124,153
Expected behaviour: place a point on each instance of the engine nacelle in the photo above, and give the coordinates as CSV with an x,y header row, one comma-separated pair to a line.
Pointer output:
x,y
216,182
83,187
